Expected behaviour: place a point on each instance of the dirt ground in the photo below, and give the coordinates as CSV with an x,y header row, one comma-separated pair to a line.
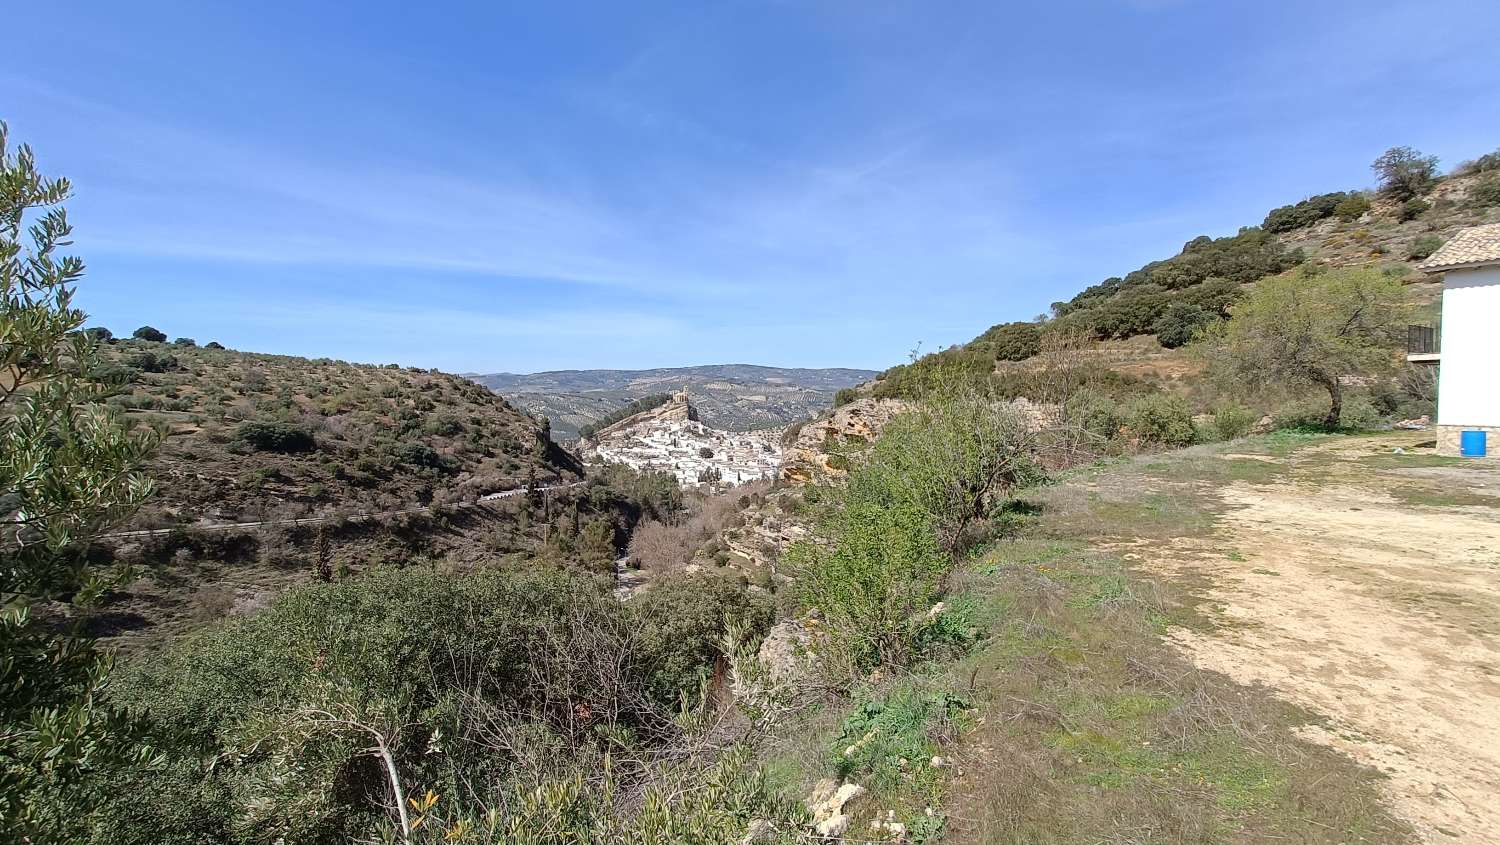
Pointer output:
x,y
1364,586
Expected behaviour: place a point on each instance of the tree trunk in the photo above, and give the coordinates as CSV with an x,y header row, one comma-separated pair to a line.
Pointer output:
x,y
1335,405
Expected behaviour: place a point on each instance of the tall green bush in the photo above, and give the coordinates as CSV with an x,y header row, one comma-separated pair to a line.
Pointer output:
x,y
890,533
1179,323
275,436
1011,341
1233,421
1353,207
1161,420
1302,214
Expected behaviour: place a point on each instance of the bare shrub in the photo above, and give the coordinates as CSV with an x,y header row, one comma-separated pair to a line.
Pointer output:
x,y
666,546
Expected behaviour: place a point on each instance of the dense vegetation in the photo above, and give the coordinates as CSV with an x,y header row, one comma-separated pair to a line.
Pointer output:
x,y
889,533
304,722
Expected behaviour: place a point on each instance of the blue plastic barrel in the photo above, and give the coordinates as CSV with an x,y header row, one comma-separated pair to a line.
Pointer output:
x,y
1471,444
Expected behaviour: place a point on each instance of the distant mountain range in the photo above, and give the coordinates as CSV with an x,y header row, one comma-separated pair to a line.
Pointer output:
x,y
735,397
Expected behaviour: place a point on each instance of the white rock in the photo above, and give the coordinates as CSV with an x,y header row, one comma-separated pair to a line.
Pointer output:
x,y
760,831
834,826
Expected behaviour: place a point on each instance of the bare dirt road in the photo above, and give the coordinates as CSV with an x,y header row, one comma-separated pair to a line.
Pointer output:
x,y
1364,585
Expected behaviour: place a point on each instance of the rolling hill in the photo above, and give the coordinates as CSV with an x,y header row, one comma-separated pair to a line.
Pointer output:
x,y
734,397
251,436
1135,322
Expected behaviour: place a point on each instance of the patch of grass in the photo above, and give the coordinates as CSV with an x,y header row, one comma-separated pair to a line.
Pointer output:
x,y
1391,460
1091,727
1433,498
1252,471
1283,443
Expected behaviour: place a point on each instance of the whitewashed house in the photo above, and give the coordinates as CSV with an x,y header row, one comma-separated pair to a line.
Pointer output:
x,y
1468,408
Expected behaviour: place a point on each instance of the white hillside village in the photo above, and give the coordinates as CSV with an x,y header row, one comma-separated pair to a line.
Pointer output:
x,y
670,438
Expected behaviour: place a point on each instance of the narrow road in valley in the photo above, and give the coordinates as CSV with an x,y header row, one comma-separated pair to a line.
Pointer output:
x,y
319,520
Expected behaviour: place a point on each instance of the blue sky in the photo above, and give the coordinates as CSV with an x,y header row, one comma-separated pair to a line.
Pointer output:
x,y
496,186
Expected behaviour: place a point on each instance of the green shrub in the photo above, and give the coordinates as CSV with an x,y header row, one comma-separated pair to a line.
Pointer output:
x,y
1011,341
1423,247
1300,415
845,396
1412,209
420,455
886,742
953,370
1179,323
1305,213
1487,190
150,333
1233,421
1097,416
274,436
682,621
115,374
887,537
152,362
1353,207
882,571
442,671
1310,415
1161,420
443,425
185,341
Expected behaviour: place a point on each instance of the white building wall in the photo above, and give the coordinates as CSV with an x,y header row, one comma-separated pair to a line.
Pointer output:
x,y
1469,381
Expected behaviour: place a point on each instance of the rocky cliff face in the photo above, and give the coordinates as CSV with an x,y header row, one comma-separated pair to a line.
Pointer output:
x,y
671,438
822,446
679,410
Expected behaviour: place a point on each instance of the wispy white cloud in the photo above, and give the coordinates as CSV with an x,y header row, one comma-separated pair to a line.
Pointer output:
x,y
865,217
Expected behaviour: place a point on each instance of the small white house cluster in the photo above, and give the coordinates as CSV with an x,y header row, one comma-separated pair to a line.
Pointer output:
x,y
694,452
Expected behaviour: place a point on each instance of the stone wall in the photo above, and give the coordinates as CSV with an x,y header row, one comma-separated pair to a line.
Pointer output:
x,y
1448,440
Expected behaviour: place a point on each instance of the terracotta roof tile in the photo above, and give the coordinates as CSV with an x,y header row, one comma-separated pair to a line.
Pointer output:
x,y
1475,246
